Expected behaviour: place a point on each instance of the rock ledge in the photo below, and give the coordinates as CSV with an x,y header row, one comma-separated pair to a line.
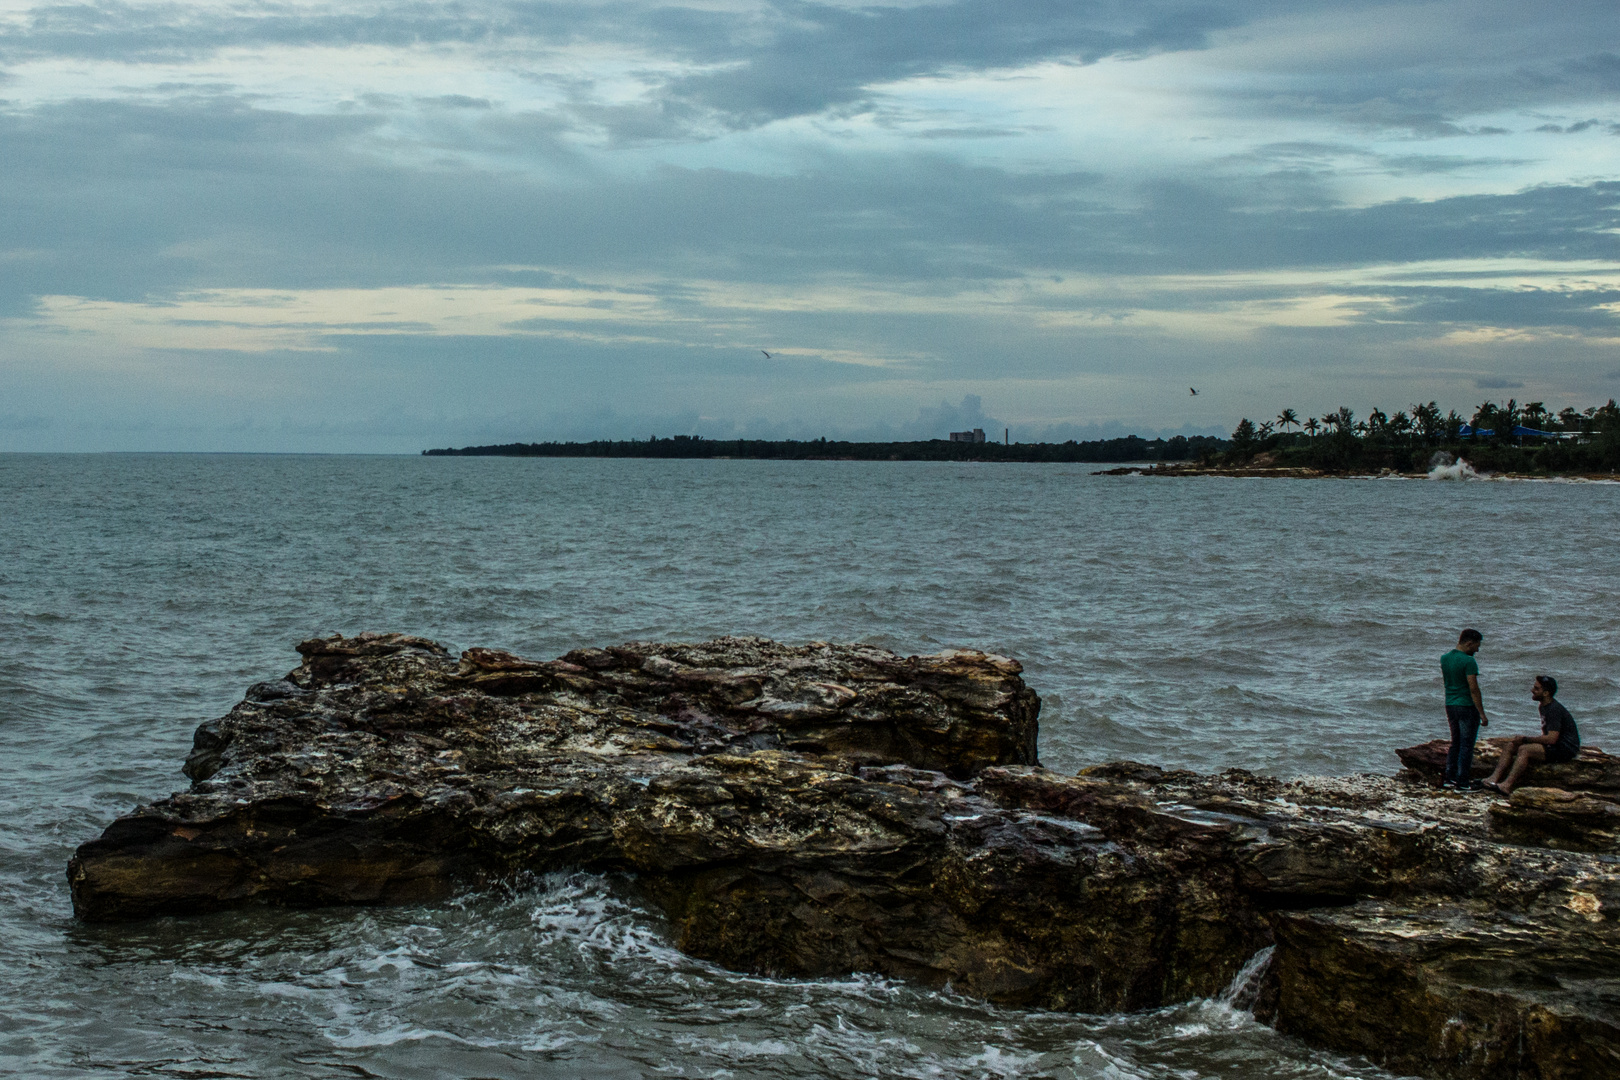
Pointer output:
x,y
820,809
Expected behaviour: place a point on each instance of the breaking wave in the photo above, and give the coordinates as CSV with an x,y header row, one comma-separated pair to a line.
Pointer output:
x,y
1457,470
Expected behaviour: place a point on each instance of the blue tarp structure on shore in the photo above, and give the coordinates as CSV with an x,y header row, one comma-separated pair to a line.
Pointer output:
x,y
1519,432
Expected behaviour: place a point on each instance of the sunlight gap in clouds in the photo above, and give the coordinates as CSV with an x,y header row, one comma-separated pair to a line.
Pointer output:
x,y
731,315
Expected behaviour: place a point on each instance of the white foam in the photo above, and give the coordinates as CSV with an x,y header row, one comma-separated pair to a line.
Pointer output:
x,y
1244,988
402,1033
1460,470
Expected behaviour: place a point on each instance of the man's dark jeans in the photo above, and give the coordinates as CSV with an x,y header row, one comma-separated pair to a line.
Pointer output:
x,y
1464,721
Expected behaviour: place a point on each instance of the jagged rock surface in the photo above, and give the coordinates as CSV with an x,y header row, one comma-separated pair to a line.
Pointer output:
x,y
1592,771
820,809
1573,805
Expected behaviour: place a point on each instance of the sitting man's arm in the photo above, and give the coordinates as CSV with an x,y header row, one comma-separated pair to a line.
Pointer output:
x,y
1479,703
1555,730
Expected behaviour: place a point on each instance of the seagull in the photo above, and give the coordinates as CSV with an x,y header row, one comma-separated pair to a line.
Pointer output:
x,y
767,355
1194,391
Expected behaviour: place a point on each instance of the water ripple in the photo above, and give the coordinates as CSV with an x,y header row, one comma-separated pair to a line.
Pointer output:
x,y
1285,627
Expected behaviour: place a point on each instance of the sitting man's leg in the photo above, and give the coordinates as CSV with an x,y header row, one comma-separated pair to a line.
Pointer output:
x,y
1504,760
1529,754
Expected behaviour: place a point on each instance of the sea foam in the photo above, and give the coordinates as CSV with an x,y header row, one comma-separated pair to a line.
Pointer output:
x,y
1459,470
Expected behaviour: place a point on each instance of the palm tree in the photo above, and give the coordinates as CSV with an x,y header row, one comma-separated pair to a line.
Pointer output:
x,y
1265,430
1287,418
1428,420
1311,427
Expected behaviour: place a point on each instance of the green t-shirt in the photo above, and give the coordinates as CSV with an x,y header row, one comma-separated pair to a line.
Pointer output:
x,y
1455,667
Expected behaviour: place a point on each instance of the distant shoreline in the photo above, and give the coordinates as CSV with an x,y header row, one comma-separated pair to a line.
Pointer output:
x,y
1096,452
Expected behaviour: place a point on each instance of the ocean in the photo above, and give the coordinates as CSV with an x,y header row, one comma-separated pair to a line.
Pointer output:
x,y
1283,626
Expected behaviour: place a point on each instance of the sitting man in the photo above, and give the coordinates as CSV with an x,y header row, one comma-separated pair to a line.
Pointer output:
x,y
1559,741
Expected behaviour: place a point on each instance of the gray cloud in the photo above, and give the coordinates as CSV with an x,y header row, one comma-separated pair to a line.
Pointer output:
x,y
1602,69
117,31
781,59
1582,310
457,101
1571,129
828,55
793,58
1498,384
200,184
1325,159
120,200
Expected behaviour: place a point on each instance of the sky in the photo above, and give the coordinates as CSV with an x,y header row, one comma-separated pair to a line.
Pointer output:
x,y
362,227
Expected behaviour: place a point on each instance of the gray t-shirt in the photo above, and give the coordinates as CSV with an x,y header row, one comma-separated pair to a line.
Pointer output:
x,y
1554,717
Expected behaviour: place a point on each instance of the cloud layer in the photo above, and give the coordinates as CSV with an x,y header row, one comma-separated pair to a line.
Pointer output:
x,y
294,226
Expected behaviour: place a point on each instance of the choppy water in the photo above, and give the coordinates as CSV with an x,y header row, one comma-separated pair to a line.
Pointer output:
x,y
1282,626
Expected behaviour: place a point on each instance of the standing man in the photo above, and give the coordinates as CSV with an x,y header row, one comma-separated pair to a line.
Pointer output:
x,y
1560,739
1465,712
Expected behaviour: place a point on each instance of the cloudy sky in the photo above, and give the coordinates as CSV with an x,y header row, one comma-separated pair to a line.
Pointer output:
x,y
379,227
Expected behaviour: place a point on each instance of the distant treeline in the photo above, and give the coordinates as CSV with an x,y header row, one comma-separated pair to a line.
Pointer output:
x,y
1130,448
1527,438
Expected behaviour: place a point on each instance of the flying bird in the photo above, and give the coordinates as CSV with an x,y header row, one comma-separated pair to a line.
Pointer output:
x,y
767,355
1194,391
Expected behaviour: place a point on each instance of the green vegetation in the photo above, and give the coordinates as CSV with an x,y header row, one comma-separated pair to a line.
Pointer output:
x,y
1497,438
1130,448
1570,441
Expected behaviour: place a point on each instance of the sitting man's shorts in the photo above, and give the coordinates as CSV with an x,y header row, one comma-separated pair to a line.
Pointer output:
x,y
1557,755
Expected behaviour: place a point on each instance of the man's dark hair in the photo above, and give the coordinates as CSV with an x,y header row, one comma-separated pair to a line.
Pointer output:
x,y
1548,683
1469,635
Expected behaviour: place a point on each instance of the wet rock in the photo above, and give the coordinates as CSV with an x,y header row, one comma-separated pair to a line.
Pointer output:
x,y
385,769
820,809
1593,771
1559,819
1451,989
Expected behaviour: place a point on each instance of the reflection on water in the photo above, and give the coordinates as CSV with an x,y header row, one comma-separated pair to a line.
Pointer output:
x,y
1283,626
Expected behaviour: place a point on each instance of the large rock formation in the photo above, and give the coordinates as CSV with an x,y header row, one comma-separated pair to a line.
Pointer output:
x,y
822,809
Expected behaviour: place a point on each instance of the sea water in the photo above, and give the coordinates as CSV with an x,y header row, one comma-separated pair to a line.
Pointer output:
x,y
1284,626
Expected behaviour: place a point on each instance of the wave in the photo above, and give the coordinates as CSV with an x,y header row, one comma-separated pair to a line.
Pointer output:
x,y
1457,470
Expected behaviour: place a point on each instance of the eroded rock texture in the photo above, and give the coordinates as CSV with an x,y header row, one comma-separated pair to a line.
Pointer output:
x,y
820,809
1592,771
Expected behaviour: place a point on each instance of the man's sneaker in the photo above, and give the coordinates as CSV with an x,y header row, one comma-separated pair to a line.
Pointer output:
x,y
1472,785
1448,786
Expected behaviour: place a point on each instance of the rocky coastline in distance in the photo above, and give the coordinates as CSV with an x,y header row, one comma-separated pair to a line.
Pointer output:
x,y
1267,470
819,809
